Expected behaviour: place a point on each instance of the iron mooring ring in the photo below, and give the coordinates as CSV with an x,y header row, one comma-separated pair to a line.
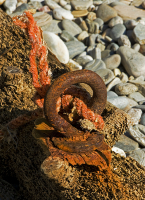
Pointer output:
x,y
98,101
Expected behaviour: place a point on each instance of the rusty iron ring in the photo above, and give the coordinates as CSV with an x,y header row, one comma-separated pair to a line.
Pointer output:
x,y
98,101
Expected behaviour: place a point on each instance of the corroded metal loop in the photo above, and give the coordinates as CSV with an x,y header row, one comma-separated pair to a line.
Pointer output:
x,y
64,81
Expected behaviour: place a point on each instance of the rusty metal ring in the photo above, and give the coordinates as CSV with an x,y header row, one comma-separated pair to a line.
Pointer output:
x,y
65,81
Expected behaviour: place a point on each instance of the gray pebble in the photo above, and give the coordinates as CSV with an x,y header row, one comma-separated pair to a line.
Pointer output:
x,y
112,47
138,133
106,74
111,94
95,65
100,22
83,60
142,121
130,24
71,27
137,96
139,156
112,84
139,33
114,21
93,27
117,31
135,115
106,53
126,144
123,40
54,27
75,48
67,36
112,62
136,47
119,102
125,88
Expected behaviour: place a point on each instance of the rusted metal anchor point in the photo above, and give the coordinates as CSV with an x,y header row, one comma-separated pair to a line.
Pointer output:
x,y
77,147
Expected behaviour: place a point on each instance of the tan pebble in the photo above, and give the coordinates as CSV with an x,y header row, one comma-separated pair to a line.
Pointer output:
x,y
91,16
79,13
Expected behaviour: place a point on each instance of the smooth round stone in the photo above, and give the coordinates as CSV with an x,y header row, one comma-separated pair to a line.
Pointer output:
x,y
10,6
133,62
126,144
60,13
135,115
112,47
92,39
66,36
100,22
137,96
138,133
114,21
117,31
119,102
52,4
56,46
139,34
136,47
111,95
74,65
95,65
142,121
75,48
35,5
81,5
53,27
82,36
67,7
119,151
131,103
2,1
71,27
123,40
106,12
79,13
114,82
112,62
95,53
142,107
44,9
139,156
62,3
83,26
42,18
138,80
130,24
83,60
106,74
125,89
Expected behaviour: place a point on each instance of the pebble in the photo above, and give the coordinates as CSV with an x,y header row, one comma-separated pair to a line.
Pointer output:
x,y
142,107
106,53
106,74
2,1
79,13
132,61
123,40
81,5
21,7
130,24
100,22
125,89
67,7
10,5
138,133
137,96
114,21
95,65
139,34
44,9
62,3
131,103
52,4
71,27
42,18
136,47
117,31
113,47
117,72
35,5
142,121
93,27
111,94
123,77
53,27
74,65
112,61
119,102
126,144
82,36
119,151
113,83
75,48
60,13
129,12
105,12
135,115
66,36
56,46
139,156
83,60
91,16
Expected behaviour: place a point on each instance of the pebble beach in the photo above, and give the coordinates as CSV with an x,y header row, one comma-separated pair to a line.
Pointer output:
x,y
107,37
